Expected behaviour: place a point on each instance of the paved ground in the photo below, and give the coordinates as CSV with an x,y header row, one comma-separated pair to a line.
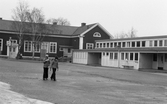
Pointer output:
x,y
80,84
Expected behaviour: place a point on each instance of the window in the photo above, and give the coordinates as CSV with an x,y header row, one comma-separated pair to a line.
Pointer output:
x,y
123,44
107,45
27,46
131,56
53,47
154,57
136,56
128,44
119,44
100,45
104,45
133,44
165,43
111,55
155,43
151,43
36,47
115,55
111,45
122,56
1,44
166,57
14,41
143,43
45,46
107,53
69,50
97,45
96,34
89,45
138,43
160,43
127,56
115,44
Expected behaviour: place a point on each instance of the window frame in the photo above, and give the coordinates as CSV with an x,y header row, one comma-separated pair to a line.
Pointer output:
x,y
55,47
89,45
29,44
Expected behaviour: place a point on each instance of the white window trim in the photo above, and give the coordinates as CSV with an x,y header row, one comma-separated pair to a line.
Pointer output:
x,y
55,47
1,44
25,44
96,34
88,45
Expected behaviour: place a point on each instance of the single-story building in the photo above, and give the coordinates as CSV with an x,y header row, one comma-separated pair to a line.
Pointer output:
x,y
135,53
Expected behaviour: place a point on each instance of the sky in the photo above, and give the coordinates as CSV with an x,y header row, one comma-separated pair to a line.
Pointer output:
x,y
147,17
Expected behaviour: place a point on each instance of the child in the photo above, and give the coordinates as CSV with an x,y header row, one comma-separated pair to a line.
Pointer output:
x,y
54,66
46,64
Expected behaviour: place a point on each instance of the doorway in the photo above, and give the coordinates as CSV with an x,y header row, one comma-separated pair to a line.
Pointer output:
x,y
160,61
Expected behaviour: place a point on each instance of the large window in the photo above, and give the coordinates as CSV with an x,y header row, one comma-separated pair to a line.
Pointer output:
x,y
1,44
131,56
101,45
108,45
89,45
53,47
27,46
104,45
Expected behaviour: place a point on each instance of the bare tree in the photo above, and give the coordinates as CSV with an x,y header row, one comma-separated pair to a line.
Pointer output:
x,y
58,21
19,17
130,34
36,27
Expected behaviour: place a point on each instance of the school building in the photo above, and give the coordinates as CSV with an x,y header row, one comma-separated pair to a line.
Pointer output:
x,y
134,53
60,41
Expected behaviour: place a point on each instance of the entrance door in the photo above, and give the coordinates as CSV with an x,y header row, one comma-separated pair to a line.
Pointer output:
x,y
12,52
160,61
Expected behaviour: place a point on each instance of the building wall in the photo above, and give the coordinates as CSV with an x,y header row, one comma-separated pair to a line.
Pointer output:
x,y
146,61
80,57
89,38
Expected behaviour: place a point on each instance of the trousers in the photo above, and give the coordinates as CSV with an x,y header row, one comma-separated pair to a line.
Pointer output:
x,y
45,73
53,76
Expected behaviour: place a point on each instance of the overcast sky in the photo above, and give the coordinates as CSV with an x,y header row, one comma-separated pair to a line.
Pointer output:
x,y
148,17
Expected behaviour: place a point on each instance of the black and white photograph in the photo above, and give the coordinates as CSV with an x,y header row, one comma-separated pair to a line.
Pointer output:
x,y
83,51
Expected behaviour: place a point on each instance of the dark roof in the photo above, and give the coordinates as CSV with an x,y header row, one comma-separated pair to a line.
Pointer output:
x,y
6,25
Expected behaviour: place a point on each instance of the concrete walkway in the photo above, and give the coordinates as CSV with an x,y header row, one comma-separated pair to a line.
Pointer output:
x,y
10,97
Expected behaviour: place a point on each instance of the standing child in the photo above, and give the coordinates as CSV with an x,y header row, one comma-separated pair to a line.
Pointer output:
x,y
54,66
46,64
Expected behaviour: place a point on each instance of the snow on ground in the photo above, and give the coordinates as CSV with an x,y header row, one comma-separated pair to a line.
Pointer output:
x,y
10,97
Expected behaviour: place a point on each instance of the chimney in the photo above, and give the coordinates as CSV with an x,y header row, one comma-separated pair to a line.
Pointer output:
x,y
83,24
